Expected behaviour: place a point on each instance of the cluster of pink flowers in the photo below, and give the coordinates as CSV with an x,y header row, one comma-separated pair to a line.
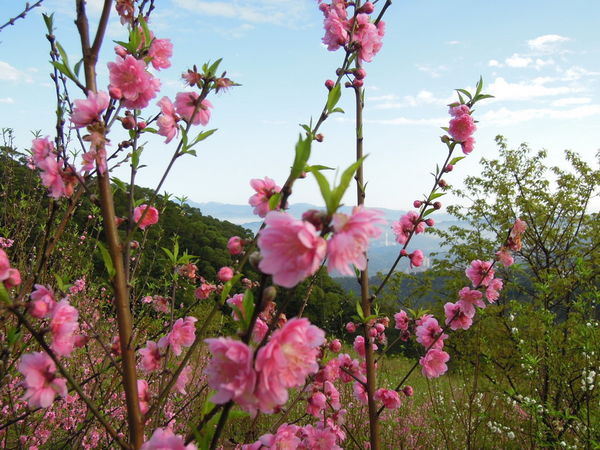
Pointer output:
x,y
86,112
265,189
131,83
292,250
163,438
6,243
408,223
63,325
284,362
182,334
58,179
352,32
9,276
204,290
287,436
462,127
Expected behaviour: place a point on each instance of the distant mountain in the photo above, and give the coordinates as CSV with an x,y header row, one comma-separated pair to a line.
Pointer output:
x,y
382,252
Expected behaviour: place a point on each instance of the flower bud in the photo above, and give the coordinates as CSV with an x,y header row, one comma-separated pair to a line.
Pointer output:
x,y
445,139
408,391
357,83
360,73
350,327
417,203
403,252
329,84
449,168
115,93
437,205
319,137
367,8
141,125
429,222
269,294
442,183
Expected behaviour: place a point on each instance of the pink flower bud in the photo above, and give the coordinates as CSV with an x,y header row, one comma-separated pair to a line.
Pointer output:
x,y
329,84
225,274
449,168
357,83
417,203
235,245
429,222
350,327
380,327
403,252
115,92
119,50
335,345
367,8
360,74
437,205
141,125
408,391
373,332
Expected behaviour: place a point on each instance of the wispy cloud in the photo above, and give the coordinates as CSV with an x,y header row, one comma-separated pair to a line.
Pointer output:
x,y
436,122
423,97
517,60
278,12
10,73
547,42
504,90
568,101
432,71
7,100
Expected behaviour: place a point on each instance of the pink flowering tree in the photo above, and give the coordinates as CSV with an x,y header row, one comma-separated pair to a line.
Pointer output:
x,y
269,361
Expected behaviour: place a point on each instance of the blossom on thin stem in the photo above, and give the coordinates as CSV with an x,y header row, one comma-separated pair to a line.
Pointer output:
x,y
41,383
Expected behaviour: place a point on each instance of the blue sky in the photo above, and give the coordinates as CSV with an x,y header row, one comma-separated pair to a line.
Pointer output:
x,y
541,59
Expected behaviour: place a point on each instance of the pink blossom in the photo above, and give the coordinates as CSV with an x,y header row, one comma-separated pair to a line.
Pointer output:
x,y
78,286
63,326
480,272
518,228
51,176
185,105
160,51
265,189
368,37
183,334
150,218
316,404
458,110
390,398
143,396
235,245
13,279
260,330
230,373
183,379
427,334
350,327
335,345
336,25
41,383
514,239
462,127
360,393
316,438
286,437
204,291
41,148
469,298
416,258
151,356
332,394
167,122
359,345
86,112
165,439
434,363
137,86
402,320
468,145
225,274
291,249
286,360
505,257
350,239
161,304
407,223
42,302
408,391
456,317
492,292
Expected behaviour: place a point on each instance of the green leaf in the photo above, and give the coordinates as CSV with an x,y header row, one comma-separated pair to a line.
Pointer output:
x,y
77,67
248,305
121,185
337,110
429,211
214,66
464,92
202,136
318,167
228,286
435,195
360,312
325,190
479,86
456,159
345,180
4,295
62,53
108,263
48,20
146,30
274,201
13,335
334,96
170,255
302,155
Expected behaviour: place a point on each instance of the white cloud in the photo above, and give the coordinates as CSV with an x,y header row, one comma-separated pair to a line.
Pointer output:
x,y
517,60
535,88
10,73
424,97
546,42
7,100
280,12
432,71
568,101
576,73
495,63
505,116
453,42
